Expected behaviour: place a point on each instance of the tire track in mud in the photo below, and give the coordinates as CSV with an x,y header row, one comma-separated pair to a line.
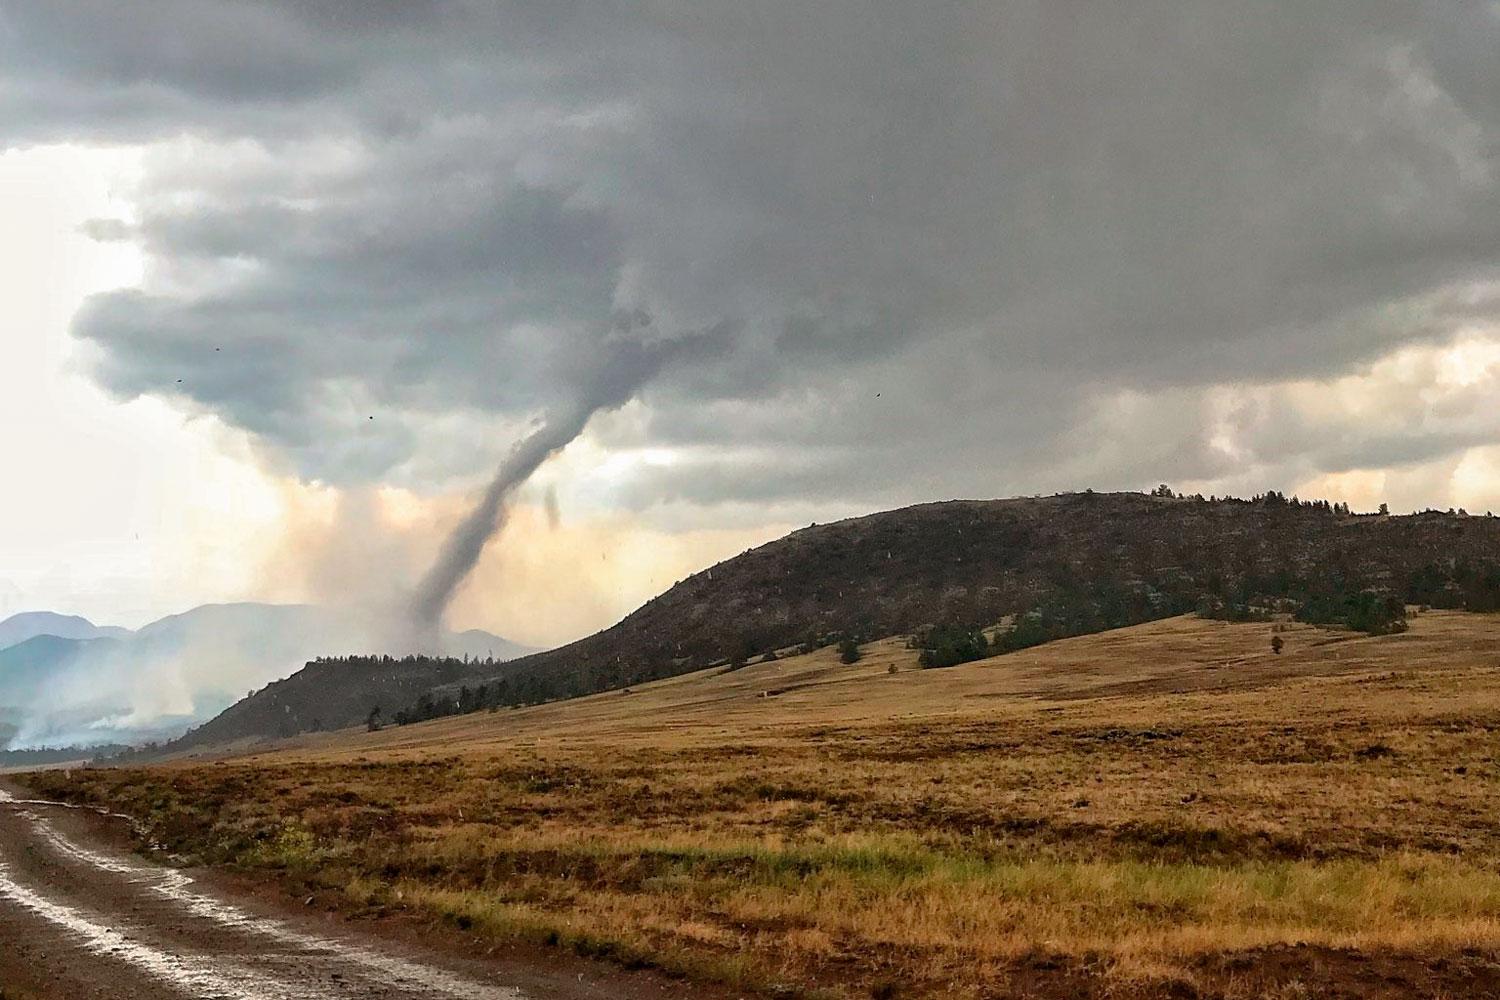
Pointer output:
x,y
153,924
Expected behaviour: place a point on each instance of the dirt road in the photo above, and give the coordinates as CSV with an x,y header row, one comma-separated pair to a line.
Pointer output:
x,y
83,921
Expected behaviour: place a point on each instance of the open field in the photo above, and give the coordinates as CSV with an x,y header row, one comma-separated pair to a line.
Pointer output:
x,y
1166,810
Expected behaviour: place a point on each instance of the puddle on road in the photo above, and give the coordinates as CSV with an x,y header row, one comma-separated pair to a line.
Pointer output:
x,y
198,975
192,975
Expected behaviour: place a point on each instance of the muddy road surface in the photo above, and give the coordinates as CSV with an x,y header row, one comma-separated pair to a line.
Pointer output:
x,y
83,920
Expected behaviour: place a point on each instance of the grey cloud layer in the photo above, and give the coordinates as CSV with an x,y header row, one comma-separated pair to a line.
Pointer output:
x,y
994,215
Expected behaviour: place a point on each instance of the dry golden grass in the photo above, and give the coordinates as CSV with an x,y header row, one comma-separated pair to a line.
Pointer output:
x,y
1104,813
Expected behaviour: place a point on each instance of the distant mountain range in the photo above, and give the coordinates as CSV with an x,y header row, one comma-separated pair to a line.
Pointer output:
x,y
66,681
27,667
30,624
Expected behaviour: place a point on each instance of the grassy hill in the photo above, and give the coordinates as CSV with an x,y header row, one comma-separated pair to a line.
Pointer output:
x,y
1165,810
1102,559
1179,656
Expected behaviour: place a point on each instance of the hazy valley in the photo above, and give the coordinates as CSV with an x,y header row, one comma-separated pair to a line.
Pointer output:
x,y
66,682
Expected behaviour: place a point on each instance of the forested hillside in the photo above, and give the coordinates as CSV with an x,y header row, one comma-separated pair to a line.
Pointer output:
x,y
1076,562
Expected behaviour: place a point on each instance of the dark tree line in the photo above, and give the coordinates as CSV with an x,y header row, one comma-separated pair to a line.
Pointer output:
x,y
42,756
1074,608
1270,498
518,687
950,645
1378,612
1456,584
466,700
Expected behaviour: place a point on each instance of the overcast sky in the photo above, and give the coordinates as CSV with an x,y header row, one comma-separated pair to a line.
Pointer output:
x,y
284,280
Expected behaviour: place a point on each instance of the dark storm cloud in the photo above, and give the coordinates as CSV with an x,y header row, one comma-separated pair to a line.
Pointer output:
x,y
997,216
